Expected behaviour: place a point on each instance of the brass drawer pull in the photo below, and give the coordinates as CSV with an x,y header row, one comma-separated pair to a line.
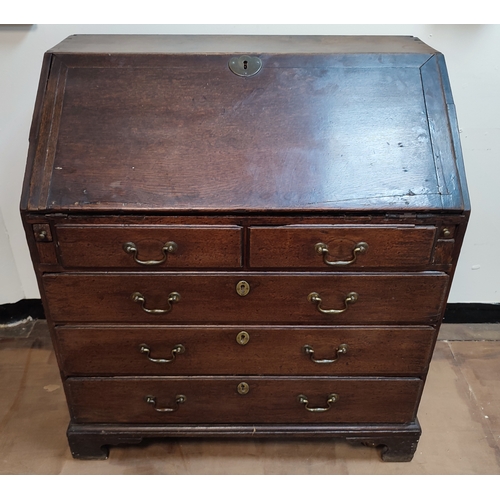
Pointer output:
x,y
341,349
172,299
322,249
332,398
169,247
179,399
314,297
177,349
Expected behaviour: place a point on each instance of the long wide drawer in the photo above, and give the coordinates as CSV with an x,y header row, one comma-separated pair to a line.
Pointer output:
x,y
339,247
238,400
413,298
149,247
252,351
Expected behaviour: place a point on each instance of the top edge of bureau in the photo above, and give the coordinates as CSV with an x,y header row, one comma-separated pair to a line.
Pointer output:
x,y
214,44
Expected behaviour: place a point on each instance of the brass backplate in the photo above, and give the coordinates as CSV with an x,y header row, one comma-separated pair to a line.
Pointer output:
x,y
42,233
242,288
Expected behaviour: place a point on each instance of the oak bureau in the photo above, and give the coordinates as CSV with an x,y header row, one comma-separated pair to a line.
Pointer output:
x,y
244,235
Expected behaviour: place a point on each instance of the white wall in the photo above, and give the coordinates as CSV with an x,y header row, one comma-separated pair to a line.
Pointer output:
x,y
10,289
473,58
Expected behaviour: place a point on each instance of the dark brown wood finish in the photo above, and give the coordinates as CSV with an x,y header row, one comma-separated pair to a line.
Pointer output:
x,y
146,120
150,127
426,241
295,246
153,139
268,351
273,298
196,246
397,442
216,400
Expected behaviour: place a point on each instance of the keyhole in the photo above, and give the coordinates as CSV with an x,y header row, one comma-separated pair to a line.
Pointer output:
x,y
242,338
243,388
242,288
245,64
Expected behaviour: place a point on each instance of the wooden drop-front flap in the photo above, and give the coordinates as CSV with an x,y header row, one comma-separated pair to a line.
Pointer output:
x,y
135,123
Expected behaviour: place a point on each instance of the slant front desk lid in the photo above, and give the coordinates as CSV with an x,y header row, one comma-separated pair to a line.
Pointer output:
x,y
165,123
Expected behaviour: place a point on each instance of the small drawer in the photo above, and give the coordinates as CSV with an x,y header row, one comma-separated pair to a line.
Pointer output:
x,y
270,298
242,400
341,247
149,247
107,351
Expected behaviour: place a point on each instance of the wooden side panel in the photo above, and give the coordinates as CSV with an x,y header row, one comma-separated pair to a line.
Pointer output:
x,y
35,128
41,168
441,136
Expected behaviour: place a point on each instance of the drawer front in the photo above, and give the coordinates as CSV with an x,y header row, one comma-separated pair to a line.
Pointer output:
x,y
253,351
217,400
337,247
151,247
272,299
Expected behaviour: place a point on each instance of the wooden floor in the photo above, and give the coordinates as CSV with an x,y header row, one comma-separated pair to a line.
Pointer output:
x,y
459,414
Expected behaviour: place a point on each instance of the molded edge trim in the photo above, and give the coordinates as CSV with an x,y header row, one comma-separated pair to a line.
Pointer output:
x,y
473,312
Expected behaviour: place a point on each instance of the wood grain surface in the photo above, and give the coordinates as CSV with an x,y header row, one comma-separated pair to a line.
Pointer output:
x,y
179,131
216,400
294,247
197,246
145,140
273,298
269,351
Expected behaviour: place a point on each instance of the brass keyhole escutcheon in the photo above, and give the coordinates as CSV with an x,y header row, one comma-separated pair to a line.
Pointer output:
x,y
243,388
245,65
242,338
242,288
